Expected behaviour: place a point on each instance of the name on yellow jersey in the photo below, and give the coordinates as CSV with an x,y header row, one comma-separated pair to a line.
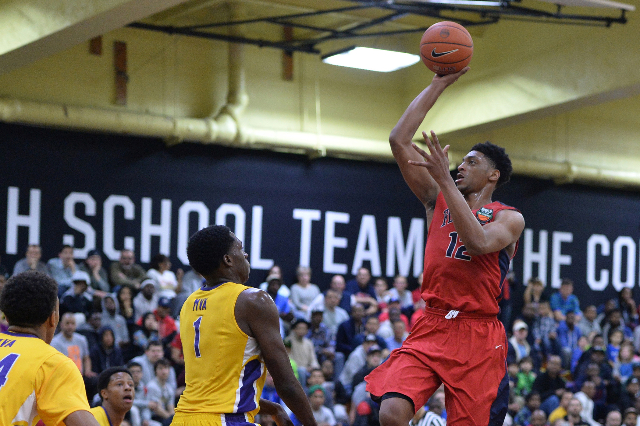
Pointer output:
x,y
199,304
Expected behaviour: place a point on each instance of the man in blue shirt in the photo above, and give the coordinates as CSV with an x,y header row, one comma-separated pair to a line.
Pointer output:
x,y
564,301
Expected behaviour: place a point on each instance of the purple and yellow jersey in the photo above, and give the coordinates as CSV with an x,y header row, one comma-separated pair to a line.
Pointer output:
x,y
37,382
224,369
102,416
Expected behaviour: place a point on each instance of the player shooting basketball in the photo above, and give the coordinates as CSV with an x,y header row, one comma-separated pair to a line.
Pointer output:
x,y
458,341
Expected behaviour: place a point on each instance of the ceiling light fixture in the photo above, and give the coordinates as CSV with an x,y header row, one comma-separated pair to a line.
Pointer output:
x,y
367,58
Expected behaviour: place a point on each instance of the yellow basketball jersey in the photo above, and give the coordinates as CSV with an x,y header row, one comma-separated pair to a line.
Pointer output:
x,y
37,382
101,416
224,369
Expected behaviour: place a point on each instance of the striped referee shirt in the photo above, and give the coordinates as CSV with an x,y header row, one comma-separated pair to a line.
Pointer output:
x,y
430,419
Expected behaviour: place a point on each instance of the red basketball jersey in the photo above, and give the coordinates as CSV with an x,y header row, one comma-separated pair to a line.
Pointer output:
x,y
454,280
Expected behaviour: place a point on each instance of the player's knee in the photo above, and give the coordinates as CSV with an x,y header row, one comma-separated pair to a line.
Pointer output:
x,y
395,412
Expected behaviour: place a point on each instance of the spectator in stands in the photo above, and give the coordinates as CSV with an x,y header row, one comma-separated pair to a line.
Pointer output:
x,y
168,283
615,339
614,418
167,328
334,317
623,364
146,300
348,330
573,414
374,358
191,282
550,384
62,268
518,345
535,292
141,400
332,314
372,326
614,321
399,291
79,298
430,415
320,336
276,271
99,279
303,292
630,417
111,318
274,282
73,345
545,334
125,305
538,418
107,354
588,323
364,293
322,415
386,319
399,335
381,288
586,395
627,306
147,332
90,329
152,354
161,393
302,350
525,377
532,403
126,271
564,301
568,336
31,261
356,360
629,395
560,412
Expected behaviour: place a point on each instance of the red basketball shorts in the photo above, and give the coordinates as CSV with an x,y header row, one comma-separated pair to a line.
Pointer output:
x,y
466,352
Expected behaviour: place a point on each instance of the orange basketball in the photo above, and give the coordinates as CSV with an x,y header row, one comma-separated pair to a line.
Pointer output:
x,y
446,47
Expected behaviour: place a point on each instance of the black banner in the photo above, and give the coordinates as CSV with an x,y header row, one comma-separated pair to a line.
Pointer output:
x,y
110,192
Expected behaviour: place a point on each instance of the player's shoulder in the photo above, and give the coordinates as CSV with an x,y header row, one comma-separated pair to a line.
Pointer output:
x,y
254,296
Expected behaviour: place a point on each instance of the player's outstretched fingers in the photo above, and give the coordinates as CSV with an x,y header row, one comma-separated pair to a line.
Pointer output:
x,y
420,151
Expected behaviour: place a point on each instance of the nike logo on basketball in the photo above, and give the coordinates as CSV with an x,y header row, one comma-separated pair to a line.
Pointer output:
x,y
437,55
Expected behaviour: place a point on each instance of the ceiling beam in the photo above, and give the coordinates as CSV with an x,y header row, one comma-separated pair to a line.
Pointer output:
x,y
35,29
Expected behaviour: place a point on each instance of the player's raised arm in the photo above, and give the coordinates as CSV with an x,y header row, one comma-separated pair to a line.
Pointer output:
x,y
400,139
256,309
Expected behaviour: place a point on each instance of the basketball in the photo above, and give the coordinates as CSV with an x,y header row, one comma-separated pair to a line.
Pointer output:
x,y
446,47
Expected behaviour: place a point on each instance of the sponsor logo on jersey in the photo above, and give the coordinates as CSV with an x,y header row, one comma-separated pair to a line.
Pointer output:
x,y
484,215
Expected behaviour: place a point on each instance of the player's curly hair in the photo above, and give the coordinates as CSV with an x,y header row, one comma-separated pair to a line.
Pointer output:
x,y
207,248
105,377
498,157
29,298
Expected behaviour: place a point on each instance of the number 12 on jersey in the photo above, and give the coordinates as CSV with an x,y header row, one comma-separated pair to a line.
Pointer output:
x,y
460,252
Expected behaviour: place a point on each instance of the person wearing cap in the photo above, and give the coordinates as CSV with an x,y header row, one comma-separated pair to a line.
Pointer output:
x,y
374,358
356,360
302,349
323,415
231,336
92,265
518,345
79,298
630,417
146,300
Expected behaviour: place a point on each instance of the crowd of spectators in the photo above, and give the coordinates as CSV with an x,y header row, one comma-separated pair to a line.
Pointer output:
x,y
568,364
